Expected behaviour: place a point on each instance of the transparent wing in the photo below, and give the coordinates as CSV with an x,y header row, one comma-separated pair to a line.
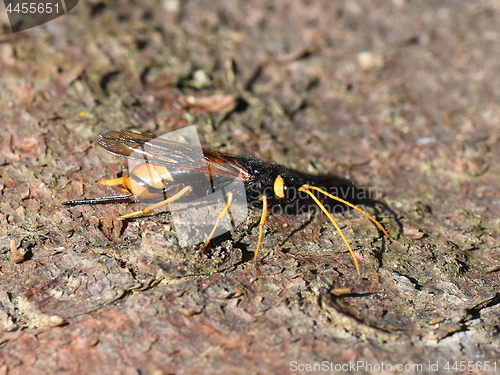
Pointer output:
x,y
159,151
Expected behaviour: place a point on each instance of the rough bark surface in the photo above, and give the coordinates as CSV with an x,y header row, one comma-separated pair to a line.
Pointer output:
x,y
399,97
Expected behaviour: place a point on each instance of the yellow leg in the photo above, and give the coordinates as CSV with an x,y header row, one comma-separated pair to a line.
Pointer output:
x,y
304,188
219,219
261,227
180,194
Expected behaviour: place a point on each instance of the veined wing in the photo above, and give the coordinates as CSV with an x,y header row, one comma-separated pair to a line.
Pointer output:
x,y
170,154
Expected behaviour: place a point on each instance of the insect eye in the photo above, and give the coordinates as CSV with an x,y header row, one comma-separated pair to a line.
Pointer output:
x,y
279,187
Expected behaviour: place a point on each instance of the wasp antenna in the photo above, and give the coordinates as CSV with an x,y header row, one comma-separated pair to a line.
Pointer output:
x,y
305,189
372,219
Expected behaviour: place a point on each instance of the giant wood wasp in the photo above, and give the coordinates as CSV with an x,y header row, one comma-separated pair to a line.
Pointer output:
x,y
168,171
